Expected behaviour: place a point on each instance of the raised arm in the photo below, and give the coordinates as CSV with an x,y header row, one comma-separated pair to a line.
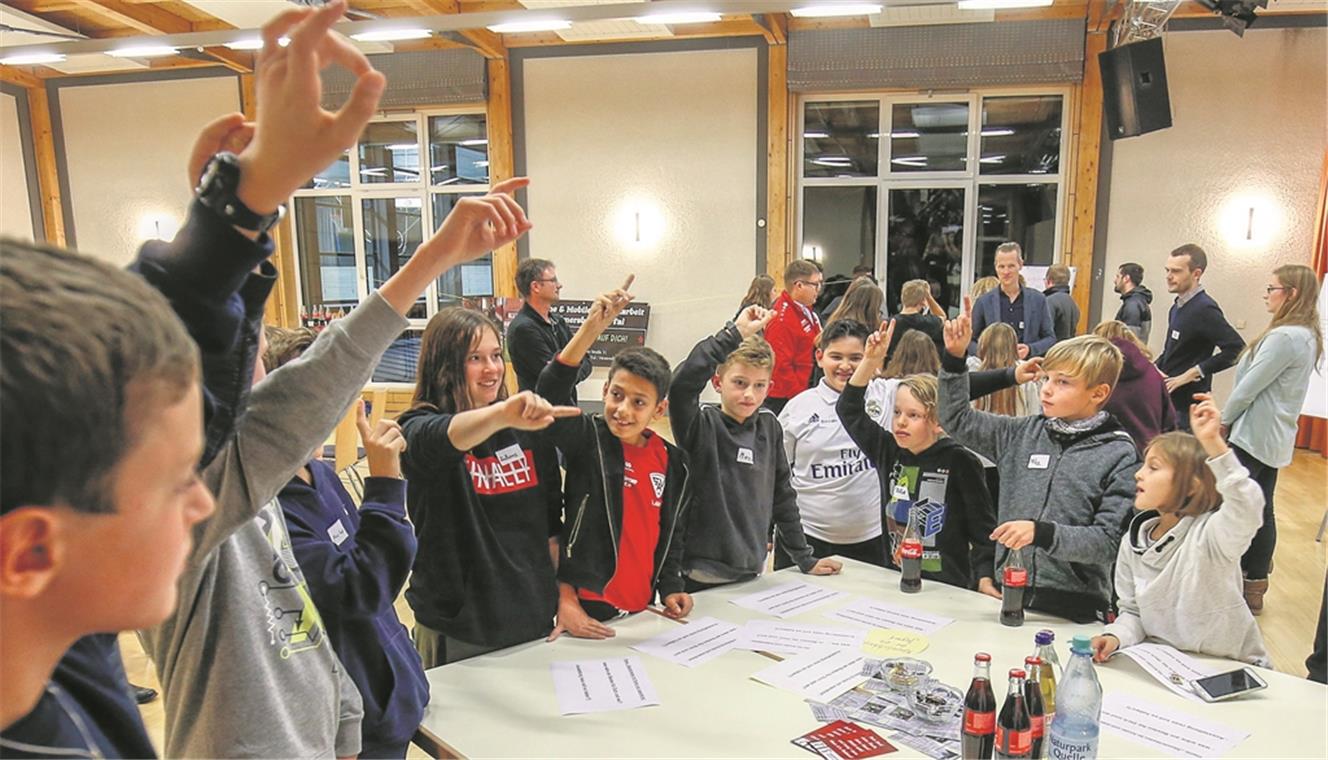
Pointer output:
x,y
1232,528
692,375
875,442
984,433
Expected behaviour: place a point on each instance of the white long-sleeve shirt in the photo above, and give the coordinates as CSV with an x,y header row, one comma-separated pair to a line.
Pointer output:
x,y
1184,588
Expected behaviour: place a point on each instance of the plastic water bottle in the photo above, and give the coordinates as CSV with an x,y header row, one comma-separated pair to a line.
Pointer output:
x,y
1074,732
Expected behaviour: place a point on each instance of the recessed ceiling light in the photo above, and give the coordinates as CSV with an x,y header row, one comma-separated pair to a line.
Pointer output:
x,y
678,17
815,135
997,132
391,35
985,5
518,27
827,10
142,51
248,43
32,59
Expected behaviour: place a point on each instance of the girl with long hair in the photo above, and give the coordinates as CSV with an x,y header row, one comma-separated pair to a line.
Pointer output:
x,y
760,293
998,349
483,494
862,304
1272,378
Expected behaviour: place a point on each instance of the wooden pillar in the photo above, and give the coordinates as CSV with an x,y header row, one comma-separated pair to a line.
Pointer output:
x,y
502,163
48,177
282,308
1087,142
777,163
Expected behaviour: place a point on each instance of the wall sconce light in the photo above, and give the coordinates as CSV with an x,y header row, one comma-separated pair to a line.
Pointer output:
x,y
1250,219
638,223
157,226
813,252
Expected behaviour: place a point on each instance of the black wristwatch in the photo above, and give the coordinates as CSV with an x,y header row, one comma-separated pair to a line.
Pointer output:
x,y
216,190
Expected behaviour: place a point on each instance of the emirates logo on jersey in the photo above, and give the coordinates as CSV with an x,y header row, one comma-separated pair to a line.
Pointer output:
x,y
499,475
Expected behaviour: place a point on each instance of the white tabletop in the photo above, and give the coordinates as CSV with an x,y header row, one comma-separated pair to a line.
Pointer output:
x,y
503,704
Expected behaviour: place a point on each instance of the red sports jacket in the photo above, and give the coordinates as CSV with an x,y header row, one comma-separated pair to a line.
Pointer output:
x,y
792,334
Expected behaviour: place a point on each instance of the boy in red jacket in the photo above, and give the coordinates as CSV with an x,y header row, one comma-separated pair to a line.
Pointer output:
x,y
793,333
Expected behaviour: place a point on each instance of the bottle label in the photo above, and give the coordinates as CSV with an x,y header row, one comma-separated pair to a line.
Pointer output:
x,y
1021,742
911,550
1060,748
1037,721
1016,576
979,723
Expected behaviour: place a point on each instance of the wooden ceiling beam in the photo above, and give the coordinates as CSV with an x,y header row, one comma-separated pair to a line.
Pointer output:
x,y
434,7
485,42
19,75
148,19
234,60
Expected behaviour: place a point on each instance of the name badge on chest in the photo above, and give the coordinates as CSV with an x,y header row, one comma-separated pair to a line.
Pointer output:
x,y
745,455
899,492
1175,334
337,532
1039,461
510,454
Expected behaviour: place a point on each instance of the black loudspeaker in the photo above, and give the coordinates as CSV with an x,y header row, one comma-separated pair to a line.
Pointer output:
x,y
1134,89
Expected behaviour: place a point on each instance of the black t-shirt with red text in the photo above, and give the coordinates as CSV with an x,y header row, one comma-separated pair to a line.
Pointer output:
x,y
483,518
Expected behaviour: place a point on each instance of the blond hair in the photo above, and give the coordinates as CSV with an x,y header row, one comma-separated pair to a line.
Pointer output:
x,y
925,389
1193,485
753,352
1301,309
982,286
1113,329
1088,357
998,348
914,293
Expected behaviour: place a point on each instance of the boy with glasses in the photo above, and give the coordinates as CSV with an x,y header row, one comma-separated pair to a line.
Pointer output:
x,y
793,333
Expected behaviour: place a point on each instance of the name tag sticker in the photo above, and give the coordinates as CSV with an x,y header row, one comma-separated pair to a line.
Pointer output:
x,y
1175,334
1039,461
510,454
899,492
337,532
1021,325
745,456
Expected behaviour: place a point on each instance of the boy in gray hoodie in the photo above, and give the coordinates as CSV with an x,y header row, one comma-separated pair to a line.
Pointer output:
x,y
1067,475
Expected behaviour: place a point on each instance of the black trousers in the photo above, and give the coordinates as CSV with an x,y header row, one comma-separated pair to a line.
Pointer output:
x,y
871,551
1260,554
1317,662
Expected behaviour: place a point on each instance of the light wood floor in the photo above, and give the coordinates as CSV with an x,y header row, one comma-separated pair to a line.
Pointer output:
x,y
1292,603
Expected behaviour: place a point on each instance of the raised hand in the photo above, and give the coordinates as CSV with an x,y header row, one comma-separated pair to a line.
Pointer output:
x,y
295,138
526,411
1028,371
1206,424
878,344
476,226
230,133
959,331
753,320
383,444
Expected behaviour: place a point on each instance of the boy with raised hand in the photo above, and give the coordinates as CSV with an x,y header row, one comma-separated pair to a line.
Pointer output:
x,y
1067,475
741,478
919,468
627,489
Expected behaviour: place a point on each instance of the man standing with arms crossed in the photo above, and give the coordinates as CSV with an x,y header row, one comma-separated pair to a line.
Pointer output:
x,y
1195,327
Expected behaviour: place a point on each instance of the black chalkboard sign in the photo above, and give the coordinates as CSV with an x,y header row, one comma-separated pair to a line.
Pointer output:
x,y
627,331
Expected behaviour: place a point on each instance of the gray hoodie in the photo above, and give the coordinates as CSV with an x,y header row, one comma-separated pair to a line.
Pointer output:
x,y
1077,490
244,661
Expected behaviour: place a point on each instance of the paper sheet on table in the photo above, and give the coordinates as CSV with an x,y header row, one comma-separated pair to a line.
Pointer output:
x,y
793,638
872,614
698,641
788,599
586,686
1174,732
820,674
1171,667
890,642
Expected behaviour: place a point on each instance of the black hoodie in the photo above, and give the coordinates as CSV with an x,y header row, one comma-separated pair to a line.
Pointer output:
x,y
1136,311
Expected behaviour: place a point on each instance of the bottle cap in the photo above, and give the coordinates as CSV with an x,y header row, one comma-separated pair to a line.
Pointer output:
x,y
1044,637
1081,645
981,657
1032,660
1017,673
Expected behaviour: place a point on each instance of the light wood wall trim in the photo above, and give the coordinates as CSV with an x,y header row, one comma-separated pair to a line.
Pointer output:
x,y
1085,164
282,308
48,174
502,163
777,163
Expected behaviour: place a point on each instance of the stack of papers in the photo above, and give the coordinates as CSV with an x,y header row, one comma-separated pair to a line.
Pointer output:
x,y
587,686
788,599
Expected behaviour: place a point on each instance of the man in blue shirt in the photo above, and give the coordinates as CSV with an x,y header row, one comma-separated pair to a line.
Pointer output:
x,y
1024,309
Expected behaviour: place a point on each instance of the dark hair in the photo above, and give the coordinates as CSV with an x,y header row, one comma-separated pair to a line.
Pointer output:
x,y
440,379
285,344
87,349
914,354
1134,272
799,269
758,293
1198,259
840,329
646,364
528,272
865,270
862,302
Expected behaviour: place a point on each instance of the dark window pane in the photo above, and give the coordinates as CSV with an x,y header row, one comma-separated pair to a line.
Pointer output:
x,y
1024,213
458,150
839,228
471,280
929,137
399,361
393,229
390,152
925,241
1021,135
325,233
841,139
335,176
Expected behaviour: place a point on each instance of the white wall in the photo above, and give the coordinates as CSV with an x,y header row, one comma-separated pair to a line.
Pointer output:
x,y
15,209
1250,119
126,146
670,135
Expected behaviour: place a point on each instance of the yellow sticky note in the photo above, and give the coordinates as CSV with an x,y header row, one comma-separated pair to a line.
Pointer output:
x,y
888,642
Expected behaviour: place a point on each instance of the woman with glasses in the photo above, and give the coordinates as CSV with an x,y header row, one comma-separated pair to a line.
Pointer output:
x,y
1272,378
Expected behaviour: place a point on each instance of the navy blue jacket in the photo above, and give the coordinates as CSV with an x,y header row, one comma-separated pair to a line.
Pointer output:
x,y
1193,331
356,562
1038,333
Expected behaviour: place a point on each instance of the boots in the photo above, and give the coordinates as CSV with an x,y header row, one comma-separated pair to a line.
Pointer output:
x,y
1254,591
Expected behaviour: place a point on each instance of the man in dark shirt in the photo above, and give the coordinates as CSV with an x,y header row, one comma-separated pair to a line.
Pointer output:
x,y
536,335
1023,308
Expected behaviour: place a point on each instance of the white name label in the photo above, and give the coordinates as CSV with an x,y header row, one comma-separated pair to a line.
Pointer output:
x,y
337,532
1039,461
745,456
510,454
1175,334
899,492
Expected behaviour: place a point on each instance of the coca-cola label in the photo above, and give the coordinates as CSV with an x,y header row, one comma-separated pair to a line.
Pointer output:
x,y
1021,742
1016,576
979,723
1038,726
910,549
